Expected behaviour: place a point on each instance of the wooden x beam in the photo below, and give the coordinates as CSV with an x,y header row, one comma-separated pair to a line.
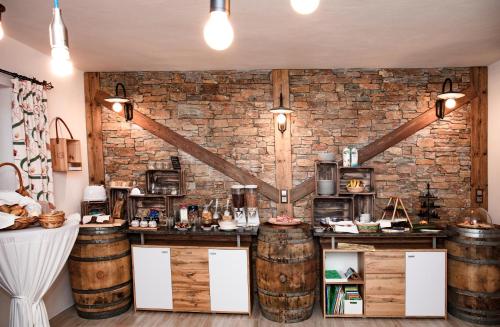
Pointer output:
x,y
392,138
195,150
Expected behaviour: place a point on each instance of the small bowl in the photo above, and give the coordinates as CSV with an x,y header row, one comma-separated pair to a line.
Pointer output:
x,y
319,229
358,189
326,156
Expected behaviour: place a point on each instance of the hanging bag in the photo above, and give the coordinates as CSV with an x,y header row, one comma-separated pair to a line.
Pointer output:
x,y
66,153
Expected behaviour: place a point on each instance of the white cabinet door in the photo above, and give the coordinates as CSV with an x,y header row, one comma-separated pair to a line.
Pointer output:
x,y
152,278
426,284
229,280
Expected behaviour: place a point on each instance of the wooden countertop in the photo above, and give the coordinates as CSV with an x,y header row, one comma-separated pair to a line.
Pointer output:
x,y
198,232
413,234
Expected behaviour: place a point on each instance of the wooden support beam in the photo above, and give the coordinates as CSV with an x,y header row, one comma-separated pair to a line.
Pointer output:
x,y
94,129
195,150
282,141
479,138
392,138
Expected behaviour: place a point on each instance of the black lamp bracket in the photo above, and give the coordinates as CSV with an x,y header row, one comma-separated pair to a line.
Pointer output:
x,y
123,89
440,109
448,81
129,111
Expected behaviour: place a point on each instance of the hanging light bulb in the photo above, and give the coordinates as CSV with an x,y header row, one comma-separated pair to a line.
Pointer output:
x,y
218,32
304,7
2,9
61,61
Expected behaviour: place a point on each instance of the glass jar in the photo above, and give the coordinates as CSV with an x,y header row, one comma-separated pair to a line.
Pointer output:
x,y
193,214
237,193
251,196
206,217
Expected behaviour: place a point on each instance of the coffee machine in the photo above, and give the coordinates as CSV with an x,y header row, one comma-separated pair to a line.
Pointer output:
x,y
251,205
238,196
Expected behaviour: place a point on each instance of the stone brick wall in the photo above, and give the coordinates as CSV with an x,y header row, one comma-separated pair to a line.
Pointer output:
x,y
227,112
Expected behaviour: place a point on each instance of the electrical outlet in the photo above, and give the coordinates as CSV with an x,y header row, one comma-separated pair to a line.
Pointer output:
x,y
284,196
479,195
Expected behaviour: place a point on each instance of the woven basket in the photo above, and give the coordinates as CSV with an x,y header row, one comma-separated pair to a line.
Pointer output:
x,y
23,221
54,219
368,227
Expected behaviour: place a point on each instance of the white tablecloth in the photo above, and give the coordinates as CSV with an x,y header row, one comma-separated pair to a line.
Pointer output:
x,y
30,261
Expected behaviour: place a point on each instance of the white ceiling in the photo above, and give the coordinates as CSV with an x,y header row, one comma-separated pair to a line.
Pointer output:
x,y
129,35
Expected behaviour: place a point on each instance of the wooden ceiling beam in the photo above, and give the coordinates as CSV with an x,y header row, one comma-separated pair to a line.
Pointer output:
x,y
390,139
195,150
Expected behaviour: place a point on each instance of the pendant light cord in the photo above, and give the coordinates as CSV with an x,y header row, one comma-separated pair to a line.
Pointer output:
x,y
56,4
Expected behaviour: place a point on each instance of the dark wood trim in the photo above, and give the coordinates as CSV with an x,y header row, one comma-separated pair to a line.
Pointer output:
x,y
479,136
282,141
195,150
392,138
94,129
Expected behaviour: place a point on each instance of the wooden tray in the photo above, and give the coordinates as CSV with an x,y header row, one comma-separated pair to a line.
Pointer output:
x,y
274,222
117,223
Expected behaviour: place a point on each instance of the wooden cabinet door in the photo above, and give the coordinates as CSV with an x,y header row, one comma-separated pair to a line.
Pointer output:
x,y
229,280
152,278
385,295
426,284
190,280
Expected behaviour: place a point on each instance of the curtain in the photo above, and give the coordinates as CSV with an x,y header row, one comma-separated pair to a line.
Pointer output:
x,y
30,135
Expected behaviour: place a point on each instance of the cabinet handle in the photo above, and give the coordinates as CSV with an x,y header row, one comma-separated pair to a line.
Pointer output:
x,y
411,256
164,252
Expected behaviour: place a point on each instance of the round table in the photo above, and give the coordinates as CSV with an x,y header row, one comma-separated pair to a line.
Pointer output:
x,y
30,261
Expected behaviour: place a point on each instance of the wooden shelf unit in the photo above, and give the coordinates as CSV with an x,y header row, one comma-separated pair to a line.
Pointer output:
x,y
332,206
396,283
364,174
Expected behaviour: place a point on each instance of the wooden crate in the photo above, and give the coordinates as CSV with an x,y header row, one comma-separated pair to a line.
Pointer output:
x,y
164,181
326,170
332,206
89,207
139,204
365,174
364,203
114,194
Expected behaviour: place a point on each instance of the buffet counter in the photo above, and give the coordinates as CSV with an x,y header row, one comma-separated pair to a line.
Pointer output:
x,y
414,239
146,236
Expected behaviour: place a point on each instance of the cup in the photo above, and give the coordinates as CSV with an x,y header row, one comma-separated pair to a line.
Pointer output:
x,y
143,223
134,223
170,222
152,223
365,218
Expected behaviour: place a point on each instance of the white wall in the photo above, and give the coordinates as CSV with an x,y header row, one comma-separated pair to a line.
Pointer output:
x,y
494,141
66,100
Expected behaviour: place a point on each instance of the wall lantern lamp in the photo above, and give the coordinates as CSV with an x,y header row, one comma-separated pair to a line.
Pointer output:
x,y
121,101
447,99
2,9
282,112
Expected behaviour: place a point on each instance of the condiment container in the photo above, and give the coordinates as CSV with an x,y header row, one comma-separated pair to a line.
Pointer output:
x,y
346,157
251,196
183,213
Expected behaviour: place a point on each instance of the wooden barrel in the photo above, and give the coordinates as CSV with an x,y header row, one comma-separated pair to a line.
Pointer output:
x,y
100,271
286,272
474,275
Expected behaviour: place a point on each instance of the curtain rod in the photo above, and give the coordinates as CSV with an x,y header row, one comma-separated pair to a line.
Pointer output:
x,y
45,84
